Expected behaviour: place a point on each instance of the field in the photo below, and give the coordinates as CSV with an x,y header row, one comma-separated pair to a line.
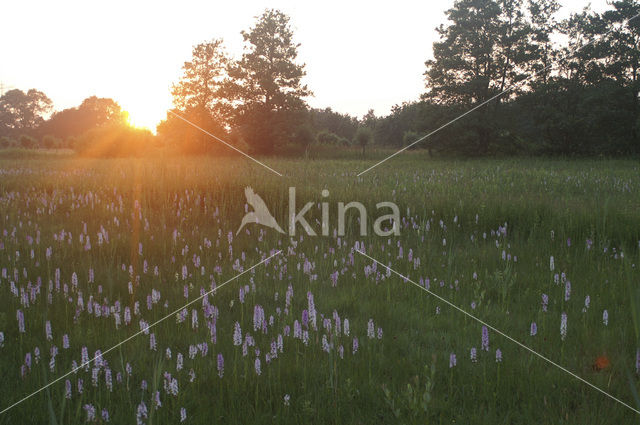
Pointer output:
x,y
94,251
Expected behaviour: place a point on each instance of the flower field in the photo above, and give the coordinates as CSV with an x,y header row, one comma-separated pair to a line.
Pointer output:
x,y
126,295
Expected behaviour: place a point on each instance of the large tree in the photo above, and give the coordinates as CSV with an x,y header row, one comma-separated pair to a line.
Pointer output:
x,y
198,99
623,53
22,112
591,104
199,87
543,24
484,50
266,85
603,46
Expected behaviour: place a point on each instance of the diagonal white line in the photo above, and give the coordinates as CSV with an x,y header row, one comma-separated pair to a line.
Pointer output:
x,y
222,141
502,333
508,89
138,333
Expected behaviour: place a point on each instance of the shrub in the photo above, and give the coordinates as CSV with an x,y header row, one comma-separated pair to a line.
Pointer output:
x,y
50,142
326,137
70,143
27,142
304,136
236,140
364,136
115,140
343,141
6,142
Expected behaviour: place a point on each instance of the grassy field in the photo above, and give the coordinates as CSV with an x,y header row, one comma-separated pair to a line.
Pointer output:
x,y
92,251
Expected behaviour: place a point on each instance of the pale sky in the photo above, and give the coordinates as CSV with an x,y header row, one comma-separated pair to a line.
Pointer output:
x,y
358,54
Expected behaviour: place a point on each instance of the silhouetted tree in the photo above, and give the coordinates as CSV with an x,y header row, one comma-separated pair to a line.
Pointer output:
x,y
484,50
93,112
265,83
197,97
542,25
22,112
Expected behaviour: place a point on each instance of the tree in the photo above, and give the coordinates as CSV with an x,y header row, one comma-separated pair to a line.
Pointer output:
x,y
484,50
591,105
609,45
623,62
198,98
22,112
265,83
364,137
581,64
543,25
514,53
50,142
27,142
370,120
93,112
6,142
462,70
342,125
201,82
410,137
304,136
578,99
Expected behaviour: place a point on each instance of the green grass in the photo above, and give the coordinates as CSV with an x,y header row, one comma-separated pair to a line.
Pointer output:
x,y
174,206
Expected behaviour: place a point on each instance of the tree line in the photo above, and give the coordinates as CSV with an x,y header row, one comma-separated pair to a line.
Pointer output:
x,y
98,126
580,97
546,86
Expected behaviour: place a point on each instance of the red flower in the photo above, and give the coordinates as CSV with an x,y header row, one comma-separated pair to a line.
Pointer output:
x,y
602,362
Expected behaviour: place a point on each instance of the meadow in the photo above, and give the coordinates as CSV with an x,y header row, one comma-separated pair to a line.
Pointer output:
x,y
93,251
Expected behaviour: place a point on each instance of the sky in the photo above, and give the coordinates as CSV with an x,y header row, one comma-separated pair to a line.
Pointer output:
x,y
358,54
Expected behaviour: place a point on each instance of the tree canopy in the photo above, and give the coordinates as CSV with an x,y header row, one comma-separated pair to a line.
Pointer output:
x,y
21,112
91,113
198,98
265,84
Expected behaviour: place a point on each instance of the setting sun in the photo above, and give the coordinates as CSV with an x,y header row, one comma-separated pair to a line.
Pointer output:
x,y
142,113
140,121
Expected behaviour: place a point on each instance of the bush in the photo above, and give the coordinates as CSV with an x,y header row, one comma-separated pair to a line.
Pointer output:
x,y
343,141
182,138
27,142
115,140
236,140
411,136
304,136
326,137
50,142
6,142
364,137
71,143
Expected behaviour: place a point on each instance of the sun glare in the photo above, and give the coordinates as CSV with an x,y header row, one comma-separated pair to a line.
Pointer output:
x,y
145,113
142,120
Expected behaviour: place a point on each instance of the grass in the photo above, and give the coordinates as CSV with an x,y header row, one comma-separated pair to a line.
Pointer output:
x,y
483,230
29,154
